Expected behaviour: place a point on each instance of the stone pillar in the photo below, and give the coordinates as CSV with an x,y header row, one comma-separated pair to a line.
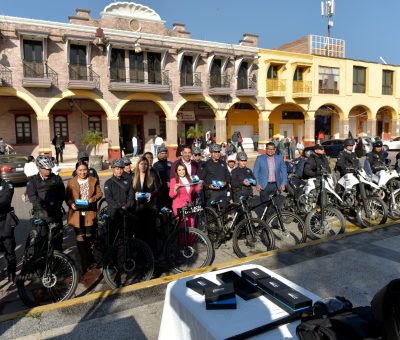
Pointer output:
x,y
309,131
114,150
371,127
220,130
263,132
344,128
43,126
172,137
395,128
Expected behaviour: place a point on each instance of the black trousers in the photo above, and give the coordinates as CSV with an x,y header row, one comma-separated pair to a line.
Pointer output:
x,y
7,246
59,155
269,190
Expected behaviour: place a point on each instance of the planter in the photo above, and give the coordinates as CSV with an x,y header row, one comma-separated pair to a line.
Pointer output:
x,y
96,162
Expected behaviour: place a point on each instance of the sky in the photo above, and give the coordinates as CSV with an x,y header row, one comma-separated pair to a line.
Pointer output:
x,y
368,27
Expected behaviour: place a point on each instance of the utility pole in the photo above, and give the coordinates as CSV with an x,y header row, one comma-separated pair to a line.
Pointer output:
x,y
328,11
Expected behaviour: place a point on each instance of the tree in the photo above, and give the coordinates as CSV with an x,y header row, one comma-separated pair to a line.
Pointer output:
x,y
194,132
94,139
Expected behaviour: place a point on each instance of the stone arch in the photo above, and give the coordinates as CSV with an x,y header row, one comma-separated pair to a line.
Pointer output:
x,y
146,97
250,101
198,98
338,109
364,107
386,122
330,127
6,91
81,93
390,109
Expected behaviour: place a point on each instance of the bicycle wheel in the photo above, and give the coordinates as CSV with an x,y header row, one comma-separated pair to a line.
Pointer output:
x,y
196,252
137,265
213,227
60,284
102,206
252,236
291,233
333,224
378,212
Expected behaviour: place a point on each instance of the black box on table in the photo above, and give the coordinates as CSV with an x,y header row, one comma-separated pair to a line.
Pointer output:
x,y
242,287
221,297
255,274
200,285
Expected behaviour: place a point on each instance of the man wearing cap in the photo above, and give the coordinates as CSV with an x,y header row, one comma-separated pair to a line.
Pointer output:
x,y
197,158
231,162
186,160
84,157
270,172
216,177
347,160
127,169
375,160
59,145
163,168
315,163
240,178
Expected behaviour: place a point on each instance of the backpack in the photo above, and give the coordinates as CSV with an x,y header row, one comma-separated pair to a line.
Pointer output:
x,y
239,138
231,149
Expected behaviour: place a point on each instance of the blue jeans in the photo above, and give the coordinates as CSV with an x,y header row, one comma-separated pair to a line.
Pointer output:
x,y
135,150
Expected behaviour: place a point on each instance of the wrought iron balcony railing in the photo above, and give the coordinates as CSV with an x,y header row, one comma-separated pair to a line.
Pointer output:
x,y
219,81
244,83
84,73
5,75
191,79
138,75
34,69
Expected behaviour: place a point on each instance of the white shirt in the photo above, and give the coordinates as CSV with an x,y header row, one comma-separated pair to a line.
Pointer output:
x,y
186,183
134,141
188,166
158,141
30,169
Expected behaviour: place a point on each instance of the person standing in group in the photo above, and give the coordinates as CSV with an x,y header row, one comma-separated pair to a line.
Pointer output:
x,y
315,163
134,146
83,219
234,139
347,160
231,162
239,141
163,168
292,148
320,137
300,147
256,139
127,169
270,172
30,168
240,178
59,145
186,159
216,177
197,159
84,157
158,142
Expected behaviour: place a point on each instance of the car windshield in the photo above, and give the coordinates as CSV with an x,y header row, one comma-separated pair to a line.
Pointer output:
x,y
12,159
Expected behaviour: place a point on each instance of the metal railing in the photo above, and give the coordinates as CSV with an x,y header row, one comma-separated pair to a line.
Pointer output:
x,y
276,85
139,75
323,90
191,79
85,73
5,75
219,81
244,83
301,86
34,69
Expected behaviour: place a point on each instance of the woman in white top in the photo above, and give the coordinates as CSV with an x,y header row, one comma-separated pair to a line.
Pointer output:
x,y
30,168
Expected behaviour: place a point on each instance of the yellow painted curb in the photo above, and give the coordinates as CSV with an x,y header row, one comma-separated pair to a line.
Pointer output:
x,y
163,280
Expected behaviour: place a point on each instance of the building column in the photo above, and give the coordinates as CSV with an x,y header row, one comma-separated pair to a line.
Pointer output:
x,y
395,128
344,126
309,131
220,130
263,132
43,126
114,150
371,127
171,126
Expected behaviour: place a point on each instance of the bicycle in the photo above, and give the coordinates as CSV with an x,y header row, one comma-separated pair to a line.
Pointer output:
x,y
129,260
47,275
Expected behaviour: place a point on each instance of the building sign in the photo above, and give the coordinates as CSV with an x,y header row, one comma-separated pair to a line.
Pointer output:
x,y
186,116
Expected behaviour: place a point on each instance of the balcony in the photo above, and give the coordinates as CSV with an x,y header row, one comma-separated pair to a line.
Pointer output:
x,y
219,85
302,89
276,88
5,76
246,87
191,83
38,74
82,77
138,80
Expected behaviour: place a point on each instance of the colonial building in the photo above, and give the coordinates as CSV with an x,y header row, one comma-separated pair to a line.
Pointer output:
x,y
125,74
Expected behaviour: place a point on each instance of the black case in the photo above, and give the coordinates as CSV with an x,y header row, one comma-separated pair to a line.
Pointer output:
x,y
200,285
271,285
221,297
255,274
243,288
293,299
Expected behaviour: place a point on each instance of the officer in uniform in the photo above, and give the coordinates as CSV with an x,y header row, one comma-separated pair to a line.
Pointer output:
x,y
347,160
215,170
315,162
163,168
46,192
375,160
240,176
7,223
83,156
128,174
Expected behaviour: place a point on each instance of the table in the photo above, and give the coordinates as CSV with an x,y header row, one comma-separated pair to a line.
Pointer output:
x,y
185,315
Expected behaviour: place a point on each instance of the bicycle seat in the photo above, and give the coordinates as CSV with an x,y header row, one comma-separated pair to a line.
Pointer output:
x,y
216,202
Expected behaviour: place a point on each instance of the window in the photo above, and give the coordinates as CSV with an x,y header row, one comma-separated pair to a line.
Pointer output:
x,y
61,127
154,68
33,59
298,74
242,76
215,73
77,61
95,123
23,129
136,67
163,130
117,65
272,72
387,82
328,80
359,79
187,71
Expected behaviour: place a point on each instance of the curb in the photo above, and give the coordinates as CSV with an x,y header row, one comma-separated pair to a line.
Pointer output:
x,y
167,279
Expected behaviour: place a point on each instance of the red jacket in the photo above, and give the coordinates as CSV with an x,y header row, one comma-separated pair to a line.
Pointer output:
x,y
182,196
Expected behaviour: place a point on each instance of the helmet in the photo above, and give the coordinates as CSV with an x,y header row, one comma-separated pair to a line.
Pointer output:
x,y
196,151
44,162
215,148
83,155
126,160
377,144
118,163
241,156
349,142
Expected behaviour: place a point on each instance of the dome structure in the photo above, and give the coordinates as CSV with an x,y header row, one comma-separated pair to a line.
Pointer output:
x,y
131,10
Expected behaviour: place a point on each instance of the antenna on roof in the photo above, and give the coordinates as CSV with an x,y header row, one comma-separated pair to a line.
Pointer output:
x,y
383,60
328,11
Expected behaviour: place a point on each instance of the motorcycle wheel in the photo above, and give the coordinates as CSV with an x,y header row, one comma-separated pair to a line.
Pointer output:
x,y
394,207
333,224
378,212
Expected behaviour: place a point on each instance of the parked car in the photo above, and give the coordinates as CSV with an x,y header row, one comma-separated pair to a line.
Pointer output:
x,y
332,148
392,144
12,168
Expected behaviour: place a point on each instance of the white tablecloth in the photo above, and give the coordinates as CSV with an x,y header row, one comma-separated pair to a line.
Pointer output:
x,y
185,315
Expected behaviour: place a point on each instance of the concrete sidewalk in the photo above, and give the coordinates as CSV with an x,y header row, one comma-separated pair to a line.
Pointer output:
x,y
355,266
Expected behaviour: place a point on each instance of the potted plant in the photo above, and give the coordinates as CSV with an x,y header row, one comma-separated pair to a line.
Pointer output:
x,y
94,139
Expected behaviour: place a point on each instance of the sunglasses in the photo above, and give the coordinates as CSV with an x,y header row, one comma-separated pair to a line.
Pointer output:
x,y
197,154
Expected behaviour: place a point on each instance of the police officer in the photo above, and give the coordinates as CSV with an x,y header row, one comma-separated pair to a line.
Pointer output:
x,y
118,192
315,163
375,160
128,174
46,192
197,155
163,168
347,160
240,178
7,223
215,170
83,156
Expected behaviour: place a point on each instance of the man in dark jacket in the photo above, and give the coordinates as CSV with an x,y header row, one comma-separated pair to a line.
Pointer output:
x,y
347,160
163,168
315,163
59,145
242,178
375,160
7,224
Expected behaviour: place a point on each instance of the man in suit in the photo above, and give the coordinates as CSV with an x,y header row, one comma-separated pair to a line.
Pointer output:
x,y
59,144
186,159
270,173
